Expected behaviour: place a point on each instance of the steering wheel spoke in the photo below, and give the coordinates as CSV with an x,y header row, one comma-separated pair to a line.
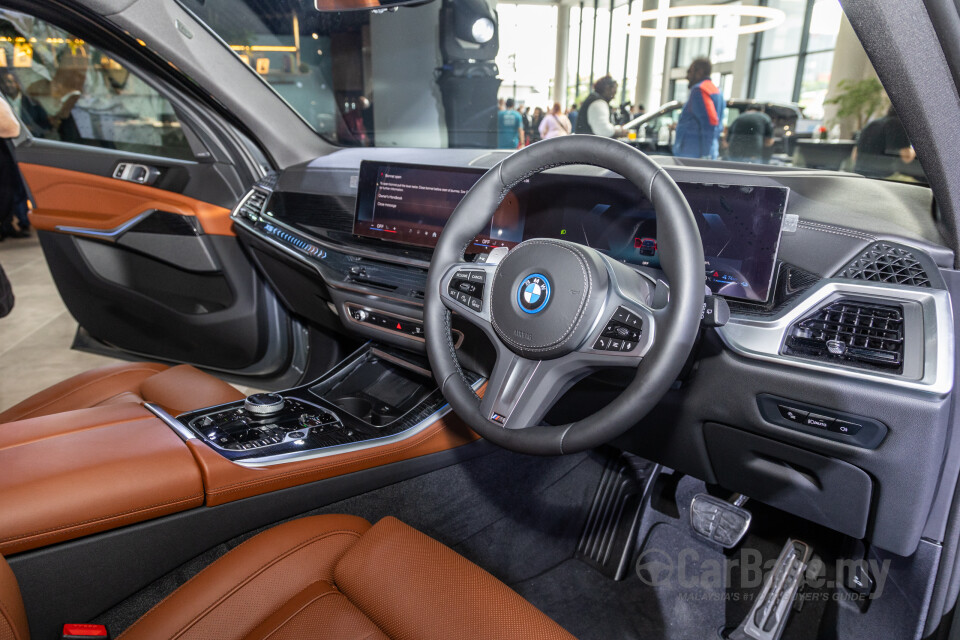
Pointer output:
x,y
626,328
520,391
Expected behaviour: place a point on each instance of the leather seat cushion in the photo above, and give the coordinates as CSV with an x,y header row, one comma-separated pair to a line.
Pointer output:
x,y
13,619
176,389
336,577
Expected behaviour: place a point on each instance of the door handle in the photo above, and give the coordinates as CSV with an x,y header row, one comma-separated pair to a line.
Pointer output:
x,y
138,173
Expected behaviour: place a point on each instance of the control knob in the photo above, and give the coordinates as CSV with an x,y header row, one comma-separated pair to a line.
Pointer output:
x,y
263,404
360,315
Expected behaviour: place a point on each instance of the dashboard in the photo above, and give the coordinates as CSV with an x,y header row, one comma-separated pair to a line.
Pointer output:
x,y
740,226
770,404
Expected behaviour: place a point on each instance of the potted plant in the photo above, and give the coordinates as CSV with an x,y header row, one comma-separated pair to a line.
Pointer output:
x,y
859,100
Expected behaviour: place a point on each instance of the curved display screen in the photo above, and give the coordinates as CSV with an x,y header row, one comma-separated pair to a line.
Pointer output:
x,y
740,225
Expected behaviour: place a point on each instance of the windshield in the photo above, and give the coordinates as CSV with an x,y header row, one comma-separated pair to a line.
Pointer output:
x,y
786,83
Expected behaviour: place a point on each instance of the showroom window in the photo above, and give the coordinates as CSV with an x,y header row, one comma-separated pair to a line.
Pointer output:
x,y
801,50
64,89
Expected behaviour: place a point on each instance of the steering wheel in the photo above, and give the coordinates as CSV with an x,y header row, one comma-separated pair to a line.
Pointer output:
x,y
556,311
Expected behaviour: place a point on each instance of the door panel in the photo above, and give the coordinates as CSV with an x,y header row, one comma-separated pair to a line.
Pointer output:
x,y
65,198
138,303
132,185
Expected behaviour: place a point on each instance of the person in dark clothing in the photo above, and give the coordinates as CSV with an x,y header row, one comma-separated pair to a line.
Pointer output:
x,y
12,192
749,135
883,148
594,116
10,88
48,107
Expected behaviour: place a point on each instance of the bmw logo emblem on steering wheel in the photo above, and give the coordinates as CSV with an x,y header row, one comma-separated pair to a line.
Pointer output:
x,y
533,293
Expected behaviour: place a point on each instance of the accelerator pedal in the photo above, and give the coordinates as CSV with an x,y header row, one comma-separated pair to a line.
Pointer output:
x,y
609,536
768,617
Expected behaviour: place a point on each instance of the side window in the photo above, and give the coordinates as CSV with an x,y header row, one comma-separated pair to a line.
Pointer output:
x,y
63,88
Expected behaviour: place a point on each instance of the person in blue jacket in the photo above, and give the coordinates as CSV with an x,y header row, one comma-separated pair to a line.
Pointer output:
x,y
701,120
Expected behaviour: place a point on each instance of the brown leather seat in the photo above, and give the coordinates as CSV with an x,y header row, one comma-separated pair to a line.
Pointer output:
x,y
332,577
176,389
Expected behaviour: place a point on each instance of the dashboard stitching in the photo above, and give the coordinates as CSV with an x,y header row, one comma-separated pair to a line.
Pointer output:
x,y
825,228
578,317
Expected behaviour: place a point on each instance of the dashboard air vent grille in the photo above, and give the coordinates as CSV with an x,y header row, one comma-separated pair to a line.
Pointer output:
x,y
853,333
885,262
254,204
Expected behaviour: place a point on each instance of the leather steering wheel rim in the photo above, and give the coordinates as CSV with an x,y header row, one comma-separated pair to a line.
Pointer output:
x,y
681,258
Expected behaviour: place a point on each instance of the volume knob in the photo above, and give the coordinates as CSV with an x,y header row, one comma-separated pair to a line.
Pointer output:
x,y
263,404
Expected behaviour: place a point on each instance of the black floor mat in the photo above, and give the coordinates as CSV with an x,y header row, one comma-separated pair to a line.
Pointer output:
x,y
520,518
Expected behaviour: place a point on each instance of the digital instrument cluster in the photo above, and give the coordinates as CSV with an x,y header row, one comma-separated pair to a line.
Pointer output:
x,y
739,225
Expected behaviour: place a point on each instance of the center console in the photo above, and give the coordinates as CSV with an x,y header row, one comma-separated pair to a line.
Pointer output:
x,y
374,397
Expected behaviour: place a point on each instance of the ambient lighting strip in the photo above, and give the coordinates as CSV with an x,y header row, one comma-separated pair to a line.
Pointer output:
x,y
771,18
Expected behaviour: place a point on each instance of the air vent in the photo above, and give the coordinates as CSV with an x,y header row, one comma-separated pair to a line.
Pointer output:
x,y
885,262
254,204
868,336
268,181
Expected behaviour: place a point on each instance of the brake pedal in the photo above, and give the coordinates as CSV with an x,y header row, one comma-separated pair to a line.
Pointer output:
x,y
769,614
720,521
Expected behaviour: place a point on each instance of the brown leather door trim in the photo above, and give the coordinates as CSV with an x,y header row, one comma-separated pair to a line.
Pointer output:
x,y
75,199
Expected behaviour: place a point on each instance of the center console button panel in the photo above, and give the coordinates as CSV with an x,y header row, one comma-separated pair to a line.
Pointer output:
x,y
843,427
240,429
393,323
372,395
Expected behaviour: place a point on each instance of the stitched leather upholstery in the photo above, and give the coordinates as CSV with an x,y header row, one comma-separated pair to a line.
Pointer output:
x,y
176,389
336,577
13,620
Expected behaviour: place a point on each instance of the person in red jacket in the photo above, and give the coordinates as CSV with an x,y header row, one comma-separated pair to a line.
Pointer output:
x,y
701,121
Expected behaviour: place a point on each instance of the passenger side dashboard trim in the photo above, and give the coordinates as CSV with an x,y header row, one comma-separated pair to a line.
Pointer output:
x,y
762,338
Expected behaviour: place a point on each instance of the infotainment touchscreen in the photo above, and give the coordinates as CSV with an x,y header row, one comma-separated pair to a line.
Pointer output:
x,y
740,225
411,203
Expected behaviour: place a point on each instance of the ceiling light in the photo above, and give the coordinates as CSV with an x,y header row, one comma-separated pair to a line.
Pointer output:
x,y
769,18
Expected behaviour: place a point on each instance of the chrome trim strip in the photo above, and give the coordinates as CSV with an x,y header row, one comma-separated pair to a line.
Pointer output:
x,y
109,234
761,338
296,456
180,428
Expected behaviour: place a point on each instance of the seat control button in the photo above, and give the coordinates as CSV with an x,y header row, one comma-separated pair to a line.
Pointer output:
x,y
791,414
845,428
815,420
